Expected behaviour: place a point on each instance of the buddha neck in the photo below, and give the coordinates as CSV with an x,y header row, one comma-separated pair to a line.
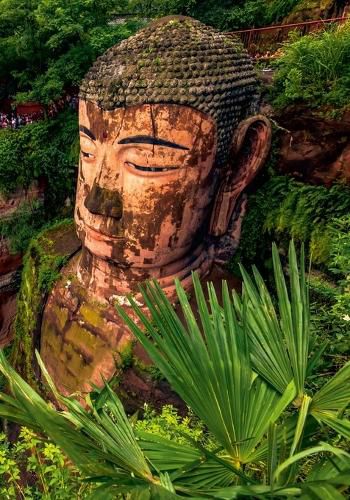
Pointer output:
x,y
105,280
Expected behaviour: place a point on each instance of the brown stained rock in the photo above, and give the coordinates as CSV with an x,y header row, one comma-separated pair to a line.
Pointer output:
x,y
314,149
136,388
339,170
7,315
10,264
310,10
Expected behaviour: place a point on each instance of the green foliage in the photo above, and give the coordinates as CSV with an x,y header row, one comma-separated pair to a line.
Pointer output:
x,y
339,246
168,424
225,15
314,69
228,15
159,8
22,225
283,208
262,431
278,9
34,468
48,149
46,46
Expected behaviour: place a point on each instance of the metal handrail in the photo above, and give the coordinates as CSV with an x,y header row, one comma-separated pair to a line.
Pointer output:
x,y
291,25
269,38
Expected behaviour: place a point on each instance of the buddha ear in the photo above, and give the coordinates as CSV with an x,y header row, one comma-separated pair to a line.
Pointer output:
x,y
249,149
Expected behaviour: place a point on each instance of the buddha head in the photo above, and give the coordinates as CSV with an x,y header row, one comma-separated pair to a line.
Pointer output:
x,y
169,140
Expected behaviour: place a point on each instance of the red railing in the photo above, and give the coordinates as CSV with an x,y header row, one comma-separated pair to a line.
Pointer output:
x,y
259,41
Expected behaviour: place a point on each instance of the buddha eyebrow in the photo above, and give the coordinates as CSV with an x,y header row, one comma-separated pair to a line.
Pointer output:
x,y
155,141
87,132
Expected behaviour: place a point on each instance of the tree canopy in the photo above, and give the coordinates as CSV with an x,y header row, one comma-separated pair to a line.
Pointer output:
x,y
46,46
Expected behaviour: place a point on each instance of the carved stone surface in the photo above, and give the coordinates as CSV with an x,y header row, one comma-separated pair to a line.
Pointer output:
x,y
167,149
178,60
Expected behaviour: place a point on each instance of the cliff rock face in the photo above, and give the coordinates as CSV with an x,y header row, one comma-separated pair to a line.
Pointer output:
x,y
314,149
309,10
10,263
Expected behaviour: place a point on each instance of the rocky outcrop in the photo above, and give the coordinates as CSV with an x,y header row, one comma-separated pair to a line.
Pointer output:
x,y
9,283
309,10
10,263
10,203
313,148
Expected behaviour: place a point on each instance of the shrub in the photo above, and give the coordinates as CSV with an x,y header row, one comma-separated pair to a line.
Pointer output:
x,y
34,468
339,246
169,424
283,208
314,69
47,148
47,46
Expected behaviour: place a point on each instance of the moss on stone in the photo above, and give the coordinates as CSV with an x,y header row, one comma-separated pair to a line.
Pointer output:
x,y
91,315
46,254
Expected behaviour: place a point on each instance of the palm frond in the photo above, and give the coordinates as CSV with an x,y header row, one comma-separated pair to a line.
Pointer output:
x,y
299,430
208,365
332,399
340,425
279,335
101,449
321,491
335,394
321,448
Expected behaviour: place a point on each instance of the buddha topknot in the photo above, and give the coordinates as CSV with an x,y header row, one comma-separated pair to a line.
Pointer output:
x,y
178,60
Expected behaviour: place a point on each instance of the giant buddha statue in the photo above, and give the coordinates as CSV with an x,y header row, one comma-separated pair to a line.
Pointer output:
x,y
169,140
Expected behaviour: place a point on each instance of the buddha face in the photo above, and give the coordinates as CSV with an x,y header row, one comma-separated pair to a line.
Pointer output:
x,y
146,182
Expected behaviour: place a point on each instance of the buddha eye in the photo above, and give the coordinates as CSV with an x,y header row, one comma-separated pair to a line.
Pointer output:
x,y
142,168
87,155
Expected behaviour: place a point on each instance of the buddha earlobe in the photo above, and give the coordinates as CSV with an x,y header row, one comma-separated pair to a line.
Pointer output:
x,y
249,149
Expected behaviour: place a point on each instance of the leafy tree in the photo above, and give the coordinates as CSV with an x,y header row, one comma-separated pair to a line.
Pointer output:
x,y
159,8
47,46
224,15
45,150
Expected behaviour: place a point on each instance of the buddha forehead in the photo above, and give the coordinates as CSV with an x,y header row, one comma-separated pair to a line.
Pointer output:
x,y
168,126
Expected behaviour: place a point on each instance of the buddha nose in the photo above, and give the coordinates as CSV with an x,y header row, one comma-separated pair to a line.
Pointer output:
x,y
101,201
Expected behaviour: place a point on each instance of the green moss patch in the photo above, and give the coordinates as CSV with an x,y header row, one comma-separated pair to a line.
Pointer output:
x,y
46,255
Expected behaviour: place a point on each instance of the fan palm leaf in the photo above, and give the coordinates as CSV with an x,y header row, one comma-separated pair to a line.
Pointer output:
x,y
279,335
331,400
101,448
208,365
